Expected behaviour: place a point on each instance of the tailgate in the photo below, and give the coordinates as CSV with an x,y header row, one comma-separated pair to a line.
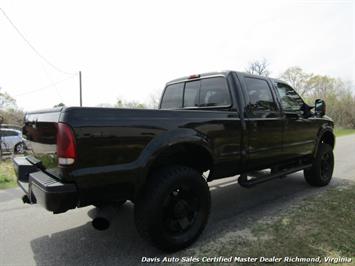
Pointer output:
x,y
40,130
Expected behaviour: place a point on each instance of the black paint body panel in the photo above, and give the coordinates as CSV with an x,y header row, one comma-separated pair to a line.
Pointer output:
x,y
116,147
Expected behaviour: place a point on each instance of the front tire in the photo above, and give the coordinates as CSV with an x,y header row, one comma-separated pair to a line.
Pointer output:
x,y
322,168
19,148
174,208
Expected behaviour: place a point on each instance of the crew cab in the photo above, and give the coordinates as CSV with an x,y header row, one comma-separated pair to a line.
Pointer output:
x,y
208,126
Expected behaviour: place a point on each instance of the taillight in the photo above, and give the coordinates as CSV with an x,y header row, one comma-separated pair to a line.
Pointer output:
x,y
66,146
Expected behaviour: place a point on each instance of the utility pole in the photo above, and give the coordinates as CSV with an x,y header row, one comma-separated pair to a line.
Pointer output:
x,y
81,91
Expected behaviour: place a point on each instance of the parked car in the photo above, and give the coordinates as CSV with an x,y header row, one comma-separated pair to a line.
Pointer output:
x,y
225,123
12,141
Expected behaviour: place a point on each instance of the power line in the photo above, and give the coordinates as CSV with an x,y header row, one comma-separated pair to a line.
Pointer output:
x,y
45,87
31,46
52,81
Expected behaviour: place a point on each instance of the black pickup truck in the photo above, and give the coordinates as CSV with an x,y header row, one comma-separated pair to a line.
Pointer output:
x,y
208,126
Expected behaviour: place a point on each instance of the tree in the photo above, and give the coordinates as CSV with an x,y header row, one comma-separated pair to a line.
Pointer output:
x,y
130,104
298,79
6,101
154,100
258,67
12,116
337,94
338,97
59,105
9,110
323,87
106,105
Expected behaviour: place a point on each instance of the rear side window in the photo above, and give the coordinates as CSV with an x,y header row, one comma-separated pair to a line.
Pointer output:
x,y
173,96
214,92
260,96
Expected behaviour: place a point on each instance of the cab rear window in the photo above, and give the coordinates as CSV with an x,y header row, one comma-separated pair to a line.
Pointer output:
x,y
208,92
214,92
172,96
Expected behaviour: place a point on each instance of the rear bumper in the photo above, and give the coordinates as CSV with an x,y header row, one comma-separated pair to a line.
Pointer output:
x,y
42,188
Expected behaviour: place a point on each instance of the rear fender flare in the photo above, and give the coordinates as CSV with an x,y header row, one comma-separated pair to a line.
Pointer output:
x,y
165,141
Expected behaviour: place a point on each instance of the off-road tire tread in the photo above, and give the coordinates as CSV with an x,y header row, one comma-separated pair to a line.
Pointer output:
x,y
157,182
312,175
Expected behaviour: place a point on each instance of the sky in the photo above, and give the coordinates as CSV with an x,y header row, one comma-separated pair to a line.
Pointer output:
x,y
130,49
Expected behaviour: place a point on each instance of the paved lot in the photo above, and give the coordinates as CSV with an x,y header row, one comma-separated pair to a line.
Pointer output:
x,y
30,235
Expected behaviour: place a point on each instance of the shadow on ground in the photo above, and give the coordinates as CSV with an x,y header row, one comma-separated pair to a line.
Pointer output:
x,y
233,208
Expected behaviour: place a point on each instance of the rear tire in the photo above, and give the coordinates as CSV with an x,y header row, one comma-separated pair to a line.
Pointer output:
x,y
322,168
173,209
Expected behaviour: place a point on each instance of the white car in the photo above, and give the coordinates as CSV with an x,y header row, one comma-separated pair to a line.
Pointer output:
x,y
11,140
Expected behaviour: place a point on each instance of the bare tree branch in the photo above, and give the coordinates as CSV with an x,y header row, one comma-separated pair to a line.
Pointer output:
x,y
258,67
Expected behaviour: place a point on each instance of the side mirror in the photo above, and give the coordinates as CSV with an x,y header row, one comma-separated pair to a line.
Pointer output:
x,y
319,107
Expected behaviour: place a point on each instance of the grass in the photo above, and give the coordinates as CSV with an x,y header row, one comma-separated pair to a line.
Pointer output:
x,y
7,175
344,131
322,226
47,160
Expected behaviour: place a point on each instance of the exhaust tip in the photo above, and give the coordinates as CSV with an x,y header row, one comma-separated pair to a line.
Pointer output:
x,y
25,199
100,223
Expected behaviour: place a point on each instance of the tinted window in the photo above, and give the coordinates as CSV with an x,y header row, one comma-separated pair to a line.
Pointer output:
x,y
198,93
290,100
13,133
260,96
8,133
191,96
214,92
5,133
172,96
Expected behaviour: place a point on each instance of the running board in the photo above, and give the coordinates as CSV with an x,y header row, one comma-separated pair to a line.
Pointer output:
x,y
244,182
